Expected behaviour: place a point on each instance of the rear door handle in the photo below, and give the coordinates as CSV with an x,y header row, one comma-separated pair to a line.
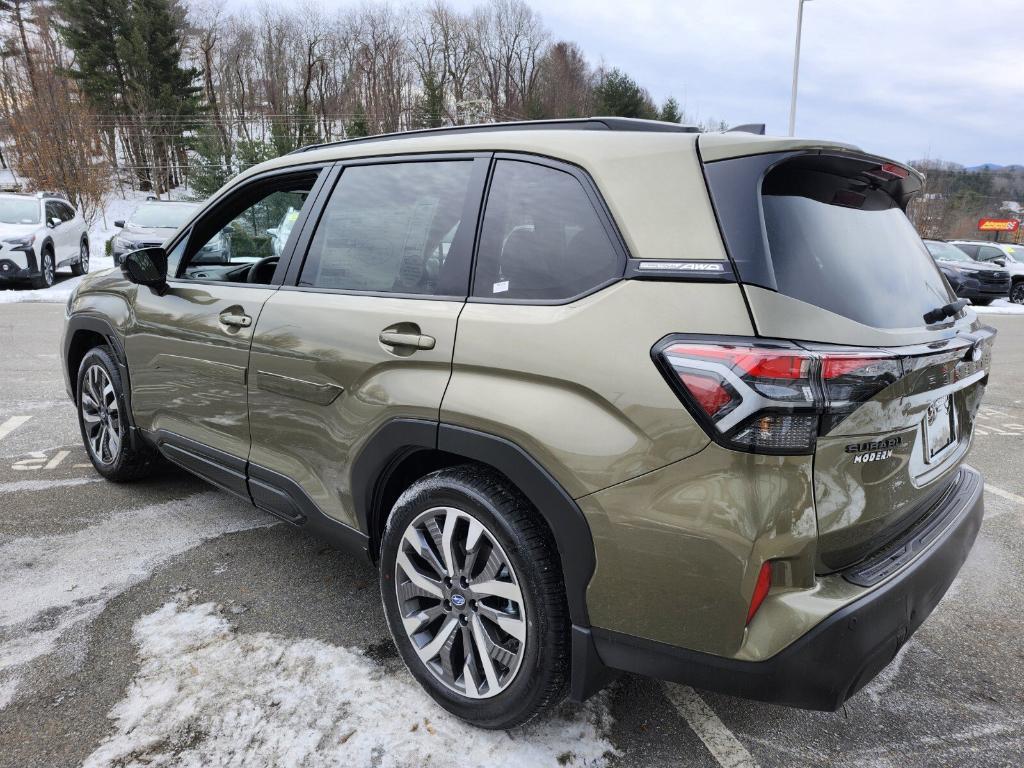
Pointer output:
x,y
413,340
237,321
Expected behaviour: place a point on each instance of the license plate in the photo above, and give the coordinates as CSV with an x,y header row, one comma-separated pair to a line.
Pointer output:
x,y
938,426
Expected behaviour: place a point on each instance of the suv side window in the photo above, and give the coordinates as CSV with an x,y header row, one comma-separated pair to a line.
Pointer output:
x,y
65,211
542,238
987,253
241,240
52,212
392,227
970,250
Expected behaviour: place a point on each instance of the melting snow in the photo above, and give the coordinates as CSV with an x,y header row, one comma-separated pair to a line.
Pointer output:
x,y
207,695
1000,307
52,583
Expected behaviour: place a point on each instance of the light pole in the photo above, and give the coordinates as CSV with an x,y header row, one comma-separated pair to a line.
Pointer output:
x,y
796,65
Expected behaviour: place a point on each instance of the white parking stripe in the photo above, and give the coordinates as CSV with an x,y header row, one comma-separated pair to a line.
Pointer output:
x,y
719,740
1004,494
12,424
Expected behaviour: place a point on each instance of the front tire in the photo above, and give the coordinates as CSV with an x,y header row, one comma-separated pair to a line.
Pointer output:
x,y
474,598
47,270
103,420
81,267
981,302
1017,292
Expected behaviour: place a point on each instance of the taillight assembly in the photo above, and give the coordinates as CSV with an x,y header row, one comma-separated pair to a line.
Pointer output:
x,y
768,396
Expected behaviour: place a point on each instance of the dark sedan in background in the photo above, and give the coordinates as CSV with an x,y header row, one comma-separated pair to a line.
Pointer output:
x,y
981,283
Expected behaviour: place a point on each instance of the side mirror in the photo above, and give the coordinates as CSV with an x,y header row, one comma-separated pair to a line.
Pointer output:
x,y
147,266
1000,261
119,223
54,221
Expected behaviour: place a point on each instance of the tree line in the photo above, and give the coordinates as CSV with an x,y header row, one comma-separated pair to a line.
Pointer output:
x,y
155,94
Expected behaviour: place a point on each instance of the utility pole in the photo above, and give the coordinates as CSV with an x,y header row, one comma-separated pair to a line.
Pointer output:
x,y
796,65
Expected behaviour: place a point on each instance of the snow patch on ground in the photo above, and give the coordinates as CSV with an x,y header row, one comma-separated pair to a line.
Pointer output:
x,y
52,584
1000,307
20,486
208,695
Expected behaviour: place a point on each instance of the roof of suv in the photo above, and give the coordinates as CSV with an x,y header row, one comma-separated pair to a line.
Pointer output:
x,y
643,170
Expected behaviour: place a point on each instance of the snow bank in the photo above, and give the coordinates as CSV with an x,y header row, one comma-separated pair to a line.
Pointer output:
x,y
68,578
207,695
1000,307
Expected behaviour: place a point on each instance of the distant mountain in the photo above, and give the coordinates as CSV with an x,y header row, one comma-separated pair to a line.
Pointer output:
x,y
993,167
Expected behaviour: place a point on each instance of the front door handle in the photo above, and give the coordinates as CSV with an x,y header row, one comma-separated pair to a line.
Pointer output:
x,y
412,340
237,321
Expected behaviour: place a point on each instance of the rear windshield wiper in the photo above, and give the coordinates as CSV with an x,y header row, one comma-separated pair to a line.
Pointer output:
x,y
946,310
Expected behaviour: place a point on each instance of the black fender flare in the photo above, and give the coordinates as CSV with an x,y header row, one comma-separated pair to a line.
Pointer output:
x,y
99,326
398,438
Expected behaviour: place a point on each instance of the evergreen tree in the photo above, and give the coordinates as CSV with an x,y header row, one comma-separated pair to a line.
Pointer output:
x,y
619,95
430,106
357,126
670,111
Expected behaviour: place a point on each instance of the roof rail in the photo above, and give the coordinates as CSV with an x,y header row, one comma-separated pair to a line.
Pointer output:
x,y
568,124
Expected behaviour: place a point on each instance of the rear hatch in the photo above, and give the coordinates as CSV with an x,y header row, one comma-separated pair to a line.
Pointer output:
x,y
827,258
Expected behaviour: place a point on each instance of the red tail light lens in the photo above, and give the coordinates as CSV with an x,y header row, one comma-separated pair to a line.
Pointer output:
x,y
772,397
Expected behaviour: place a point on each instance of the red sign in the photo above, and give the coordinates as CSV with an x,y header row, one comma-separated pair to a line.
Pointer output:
x,y
998,225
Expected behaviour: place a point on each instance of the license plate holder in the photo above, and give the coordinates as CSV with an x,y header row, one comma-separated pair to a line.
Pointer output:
x,y
939,427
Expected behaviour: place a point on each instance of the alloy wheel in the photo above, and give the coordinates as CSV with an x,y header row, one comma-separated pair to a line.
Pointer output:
x,y
101,415
83,257
1017,293
48,269
460,602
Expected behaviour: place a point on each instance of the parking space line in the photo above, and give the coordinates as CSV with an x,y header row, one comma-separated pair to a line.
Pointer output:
x,y
719,740
12,424
1004,494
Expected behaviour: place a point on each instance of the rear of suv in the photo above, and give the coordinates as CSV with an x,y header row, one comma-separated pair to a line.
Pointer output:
x,y
39,234
594,395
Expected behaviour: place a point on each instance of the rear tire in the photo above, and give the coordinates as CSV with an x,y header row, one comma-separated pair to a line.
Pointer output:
x,y
103,420
47,270
81,267
500,581
981,302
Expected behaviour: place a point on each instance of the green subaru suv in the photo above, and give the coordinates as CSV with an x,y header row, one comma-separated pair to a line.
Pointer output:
x,y
593,396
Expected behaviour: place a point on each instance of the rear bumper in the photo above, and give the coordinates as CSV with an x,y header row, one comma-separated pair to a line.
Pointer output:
x,y
843,652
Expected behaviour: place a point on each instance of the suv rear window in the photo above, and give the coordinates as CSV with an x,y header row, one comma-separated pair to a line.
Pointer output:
x,y
542,239
829,230
867,265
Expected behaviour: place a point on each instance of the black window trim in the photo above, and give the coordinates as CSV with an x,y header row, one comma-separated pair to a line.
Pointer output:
x,y
324,170
618,243
480,174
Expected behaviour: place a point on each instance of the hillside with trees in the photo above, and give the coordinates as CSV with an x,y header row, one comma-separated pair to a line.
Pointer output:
x,y
154,94
954,198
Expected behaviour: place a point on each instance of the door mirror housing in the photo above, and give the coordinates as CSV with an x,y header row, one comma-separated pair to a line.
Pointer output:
x,y
1000,261
53,222
119,223
147,266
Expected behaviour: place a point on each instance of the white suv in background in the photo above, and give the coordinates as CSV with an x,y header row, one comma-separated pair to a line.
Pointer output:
x,y
1007,255
39,234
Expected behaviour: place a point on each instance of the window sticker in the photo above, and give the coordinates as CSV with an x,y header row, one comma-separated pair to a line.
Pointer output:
x,y
500,287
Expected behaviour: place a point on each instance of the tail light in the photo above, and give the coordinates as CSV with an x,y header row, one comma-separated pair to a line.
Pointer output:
x,y
772,397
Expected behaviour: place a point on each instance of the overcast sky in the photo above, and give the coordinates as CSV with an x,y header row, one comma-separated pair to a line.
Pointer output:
x,y
903,78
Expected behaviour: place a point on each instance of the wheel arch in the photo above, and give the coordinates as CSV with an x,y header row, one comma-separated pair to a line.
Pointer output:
x,y
403,450
84,333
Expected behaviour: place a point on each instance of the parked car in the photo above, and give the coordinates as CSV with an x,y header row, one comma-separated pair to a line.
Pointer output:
x,y
971,279
1009,256
39,234
594,395
153,221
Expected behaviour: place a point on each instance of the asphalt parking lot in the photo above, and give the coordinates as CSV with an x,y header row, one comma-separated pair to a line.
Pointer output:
x,y
166,623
